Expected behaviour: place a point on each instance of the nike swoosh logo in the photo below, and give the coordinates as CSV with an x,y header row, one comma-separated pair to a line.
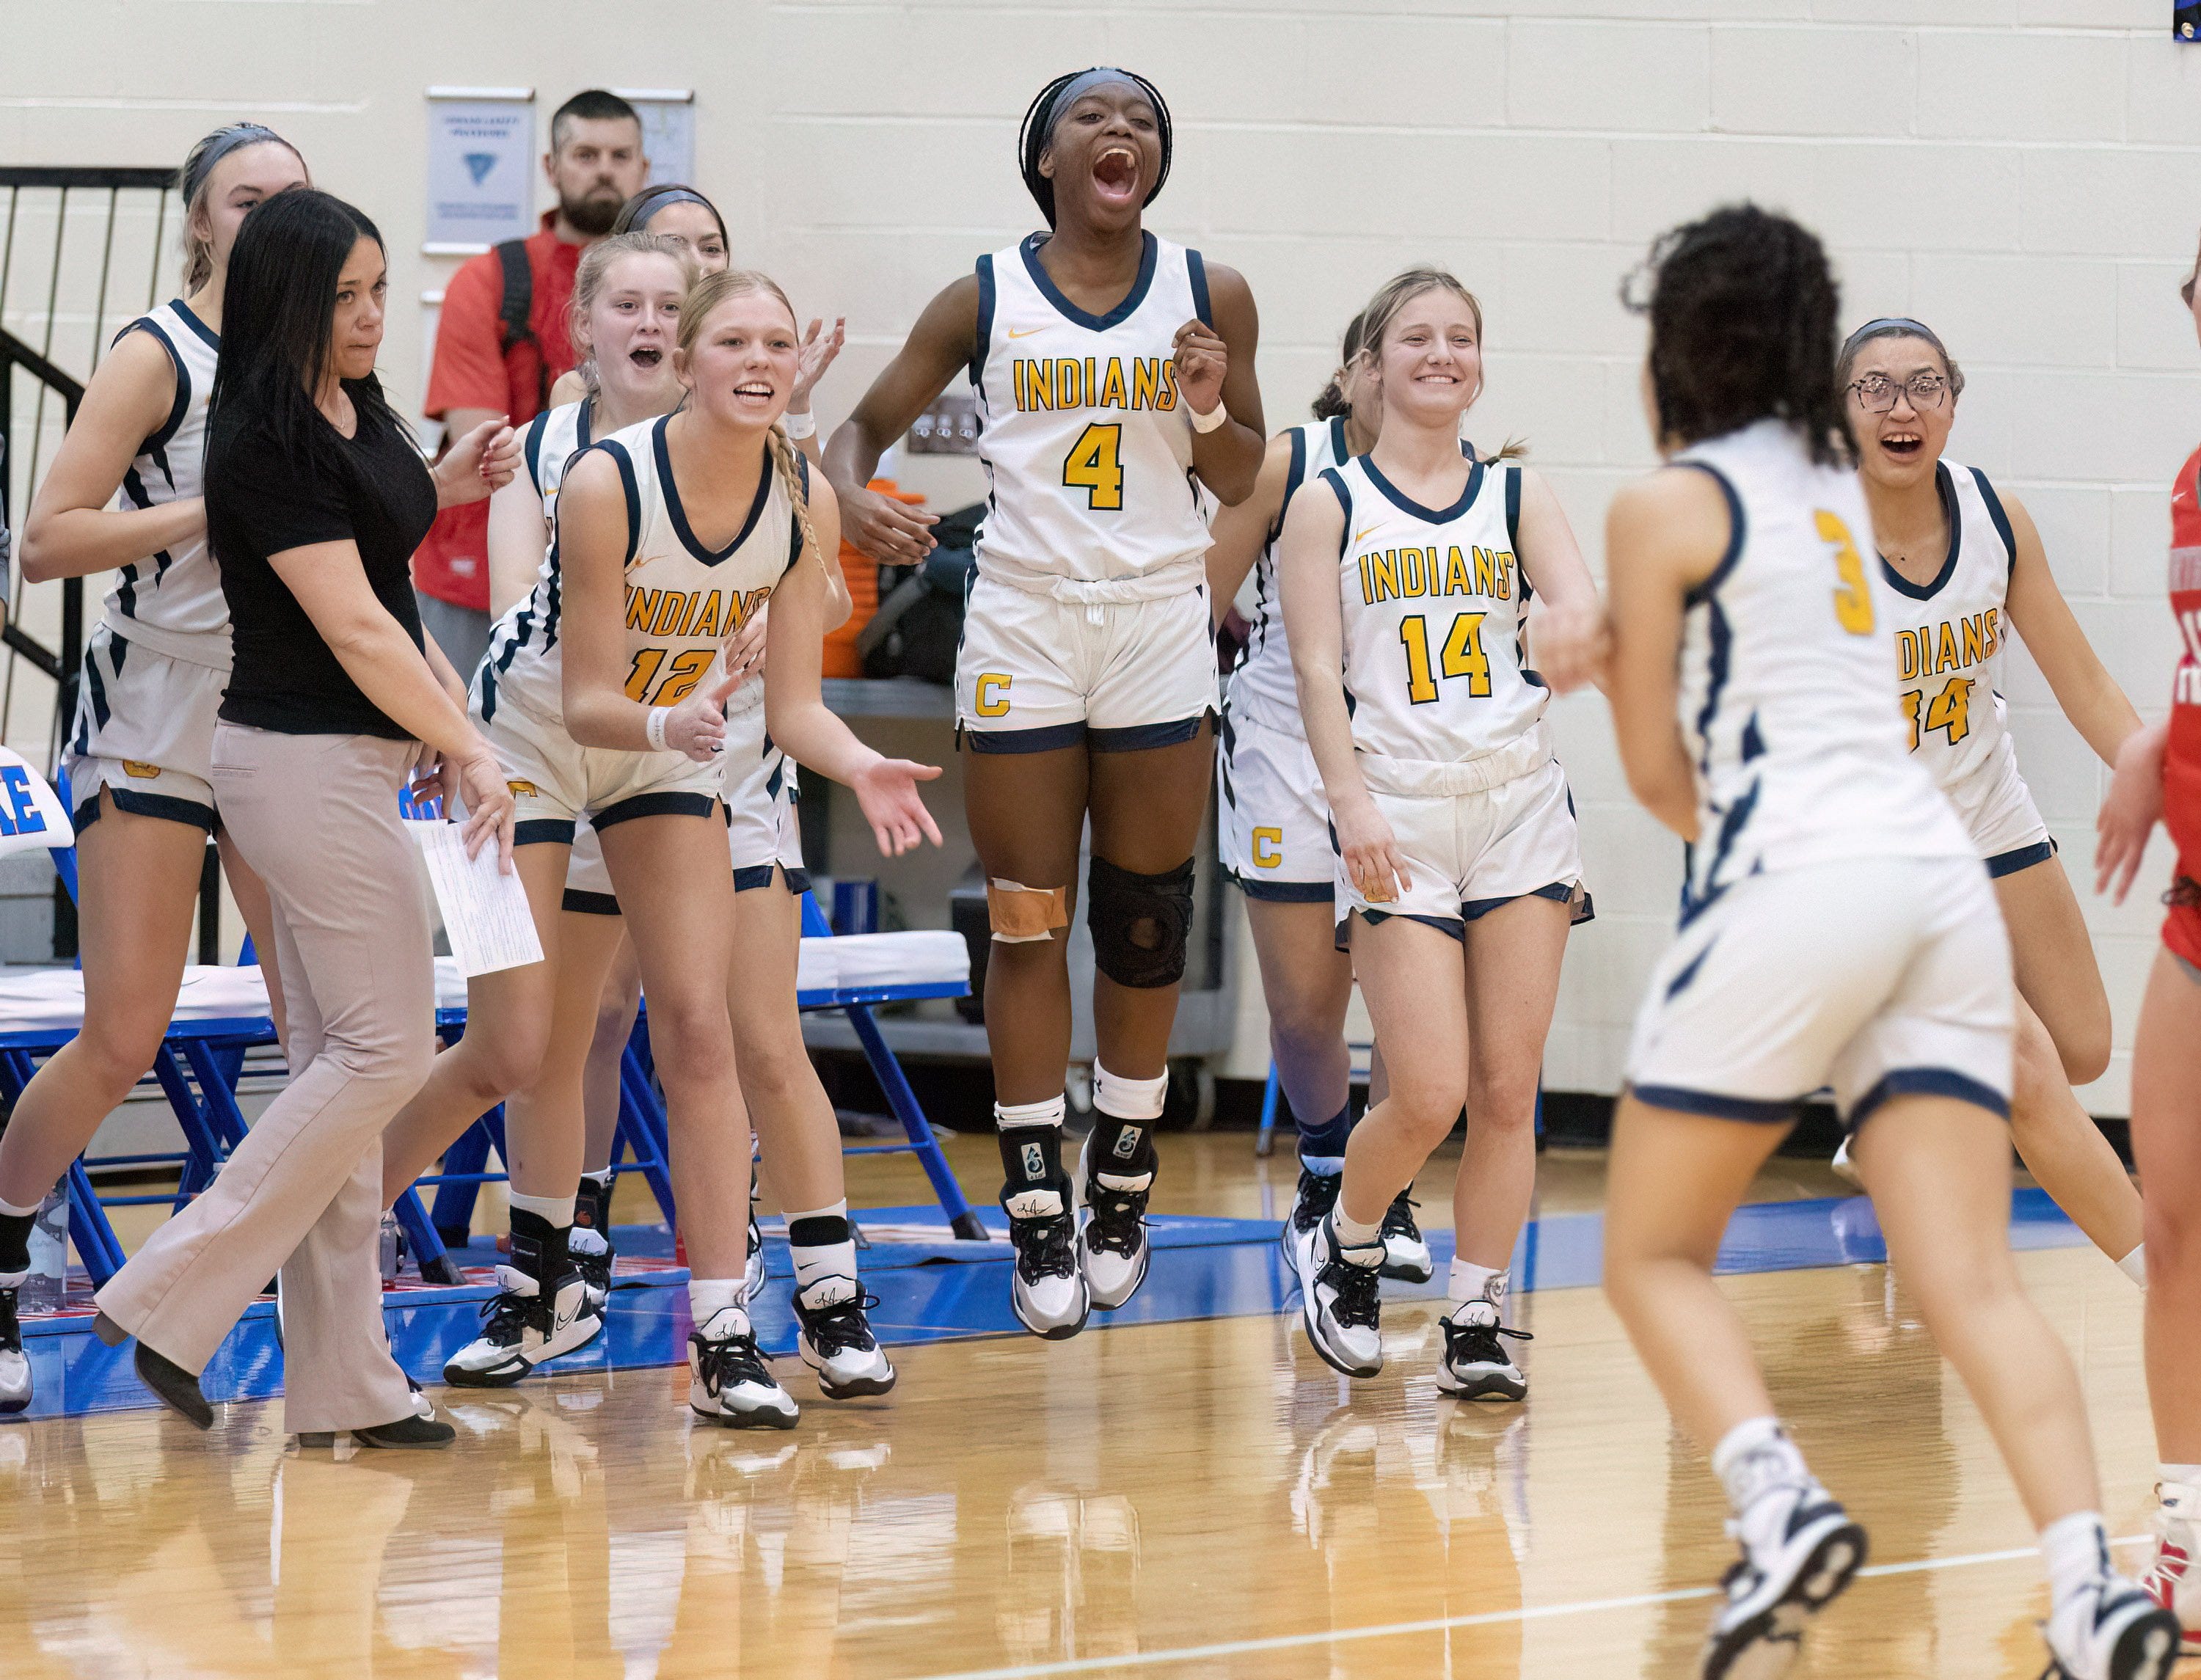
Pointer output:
x,y
1026,333
1362,535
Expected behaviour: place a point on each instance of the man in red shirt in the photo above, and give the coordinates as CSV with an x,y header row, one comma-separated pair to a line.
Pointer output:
x,y
483,368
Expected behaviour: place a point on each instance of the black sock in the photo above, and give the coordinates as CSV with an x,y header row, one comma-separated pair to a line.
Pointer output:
x,y
15,1241
1120,1147
1031,1158
1326,1142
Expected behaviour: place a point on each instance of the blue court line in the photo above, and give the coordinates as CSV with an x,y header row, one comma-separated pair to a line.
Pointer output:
x,y
949,1291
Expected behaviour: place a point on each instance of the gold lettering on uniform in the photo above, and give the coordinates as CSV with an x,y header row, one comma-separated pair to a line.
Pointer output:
x,y
1146,382
1387,574
1087,398
1944,649
1975,638
1993,616
641,607
1505,574
694,602
1016,383
707,621
1268,848
1486,571
1068,392
140,769
1457,580
1364,596
1112,389
1169,384
1906,652
1413,575
1039,383
670,611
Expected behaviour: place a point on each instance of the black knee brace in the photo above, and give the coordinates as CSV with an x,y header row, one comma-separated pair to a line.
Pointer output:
x,y
1140,923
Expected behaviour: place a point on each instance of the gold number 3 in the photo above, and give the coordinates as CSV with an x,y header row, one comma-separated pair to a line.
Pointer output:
x,y
1853,599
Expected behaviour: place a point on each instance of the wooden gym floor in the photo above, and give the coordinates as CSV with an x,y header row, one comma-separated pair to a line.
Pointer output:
x,y
1195,1497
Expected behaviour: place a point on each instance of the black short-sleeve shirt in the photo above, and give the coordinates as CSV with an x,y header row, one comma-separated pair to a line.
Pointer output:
x,y
371,490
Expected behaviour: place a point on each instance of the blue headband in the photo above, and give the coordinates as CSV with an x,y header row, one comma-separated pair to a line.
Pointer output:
x,y
1891,326
218,145
678,195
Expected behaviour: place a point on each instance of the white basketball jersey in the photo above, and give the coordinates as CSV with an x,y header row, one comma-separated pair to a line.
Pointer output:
x,y
1786,671
1086,446
1435,608
1262,686
682,600
1949,635
172,603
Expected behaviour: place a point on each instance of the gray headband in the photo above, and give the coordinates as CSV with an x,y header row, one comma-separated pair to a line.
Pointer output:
x,y
1079,87
218,145
678,195
1890,326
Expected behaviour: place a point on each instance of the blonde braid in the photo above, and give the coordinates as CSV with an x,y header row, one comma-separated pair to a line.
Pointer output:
x,y
790,476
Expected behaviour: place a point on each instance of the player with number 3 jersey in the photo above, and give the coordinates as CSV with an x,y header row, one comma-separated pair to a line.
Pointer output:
x,y
1115,374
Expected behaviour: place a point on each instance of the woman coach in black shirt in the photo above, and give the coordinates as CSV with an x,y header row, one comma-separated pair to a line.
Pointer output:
x,y
316,498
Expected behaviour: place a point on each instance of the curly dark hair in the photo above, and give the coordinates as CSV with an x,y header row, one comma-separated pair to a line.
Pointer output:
x,y
1038,128
1743,308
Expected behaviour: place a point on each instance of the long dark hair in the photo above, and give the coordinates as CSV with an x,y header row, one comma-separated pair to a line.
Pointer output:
x,y
279,319
1743,305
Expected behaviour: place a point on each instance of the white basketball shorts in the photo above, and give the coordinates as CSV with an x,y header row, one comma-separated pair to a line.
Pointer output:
x,y
1272,818
144,728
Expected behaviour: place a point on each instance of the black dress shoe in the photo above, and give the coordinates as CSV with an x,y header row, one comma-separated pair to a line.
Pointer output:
x,y
414,1431
178,1389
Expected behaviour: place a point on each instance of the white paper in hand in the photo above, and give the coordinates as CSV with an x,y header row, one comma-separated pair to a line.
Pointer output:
x,y
484,910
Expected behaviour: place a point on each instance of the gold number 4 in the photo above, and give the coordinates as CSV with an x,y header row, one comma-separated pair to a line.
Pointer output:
x,y
1095,465
1853,599
1462,656
1950,710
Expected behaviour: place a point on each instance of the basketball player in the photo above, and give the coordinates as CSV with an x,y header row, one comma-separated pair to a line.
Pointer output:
x,y
627,292
1966,565
1275,825
1115,371
1407,576
1837,927
670,534
137,765
2159,775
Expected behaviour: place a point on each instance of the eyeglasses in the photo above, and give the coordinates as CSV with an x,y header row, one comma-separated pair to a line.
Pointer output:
x,y
1876,392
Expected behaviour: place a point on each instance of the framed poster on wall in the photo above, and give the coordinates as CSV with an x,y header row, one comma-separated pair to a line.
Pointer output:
x,y
481,167
668,130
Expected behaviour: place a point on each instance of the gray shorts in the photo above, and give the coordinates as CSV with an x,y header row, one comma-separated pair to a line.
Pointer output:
x,y
460,631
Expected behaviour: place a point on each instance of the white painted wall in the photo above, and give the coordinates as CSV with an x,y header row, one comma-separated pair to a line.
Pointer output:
x,y
2024,173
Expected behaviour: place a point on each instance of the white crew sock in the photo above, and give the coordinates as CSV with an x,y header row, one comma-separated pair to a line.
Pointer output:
x,y
824,1245
1470,1282
2077,1550
1756,1454
555,1211
1361,1245
2134,1265
707,1297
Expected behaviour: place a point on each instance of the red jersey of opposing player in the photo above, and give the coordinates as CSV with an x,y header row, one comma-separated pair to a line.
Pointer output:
x,y
2181,763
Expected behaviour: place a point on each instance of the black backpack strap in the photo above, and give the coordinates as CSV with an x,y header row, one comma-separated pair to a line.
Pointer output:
x,y
515,311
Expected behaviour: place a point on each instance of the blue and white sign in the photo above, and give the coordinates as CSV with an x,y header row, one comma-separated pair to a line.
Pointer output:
x,y
482,171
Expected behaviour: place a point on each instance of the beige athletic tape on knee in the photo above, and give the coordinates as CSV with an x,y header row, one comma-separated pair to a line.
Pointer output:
x,y
1022,915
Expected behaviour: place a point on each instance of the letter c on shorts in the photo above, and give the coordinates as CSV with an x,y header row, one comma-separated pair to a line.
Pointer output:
x,y
1268,848
989,703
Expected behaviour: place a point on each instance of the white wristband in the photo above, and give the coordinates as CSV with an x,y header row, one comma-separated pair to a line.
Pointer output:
x,y
654,729
799,426
1208,421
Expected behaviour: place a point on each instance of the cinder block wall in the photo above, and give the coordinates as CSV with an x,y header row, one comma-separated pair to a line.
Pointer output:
x,y
2020,173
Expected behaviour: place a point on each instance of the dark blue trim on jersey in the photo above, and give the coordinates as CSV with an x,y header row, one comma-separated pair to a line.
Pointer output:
x,y
985,341
1738,529
1149,250
1195,270
532,449
1719,648
182,404
165,806
1753,743
666,804
1997,514
750,877
582,424
2025,857
543,831
95,688
1339,450
671,491
1406,504
212,338
1687,977
1139,736
1295,476
1758,1111
1285,892
590,904
1513,520
1336,480
1048,738
1947,487
1732,823
625,462
1927,1081
794,525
